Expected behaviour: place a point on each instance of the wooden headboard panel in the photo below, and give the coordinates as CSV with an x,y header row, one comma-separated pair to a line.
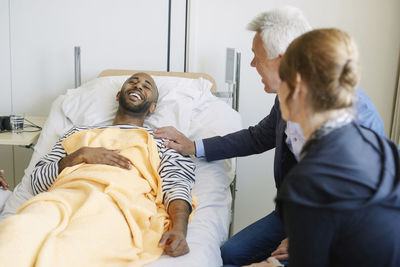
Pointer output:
x,y
160,73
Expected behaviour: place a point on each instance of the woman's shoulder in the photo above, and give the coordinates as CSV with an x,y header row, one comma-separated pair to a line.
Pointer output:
x,y
336,166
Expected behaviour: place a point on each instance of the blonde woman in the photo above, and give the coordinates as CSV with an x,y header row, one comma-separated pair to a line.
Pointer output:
x,y
341,203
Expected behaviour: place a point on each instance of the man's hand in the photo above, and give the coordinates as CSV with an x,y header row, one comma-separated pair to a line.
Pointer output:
x,y
271,262
3,182
177,140
175,243
95,155
282,252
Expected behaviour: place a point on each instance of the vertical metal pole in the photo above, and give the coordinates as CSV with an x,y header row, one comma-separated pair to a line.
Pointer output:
x,y
77,51
235,105
186,35
169,36
237,85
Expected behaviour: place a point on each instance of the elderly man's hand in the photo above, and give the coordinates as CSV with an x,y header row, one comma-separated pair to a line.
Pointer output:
x,y
177,140
3,182
282,252
175,243
271,262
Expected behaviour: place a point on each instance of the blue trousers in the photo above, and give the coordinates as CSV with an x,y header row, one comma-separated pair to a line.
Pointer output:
x,y
254,243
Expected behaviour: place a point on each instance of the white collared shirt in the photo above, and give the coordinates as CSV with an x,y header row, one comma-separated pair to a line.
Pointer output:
x,y
295,138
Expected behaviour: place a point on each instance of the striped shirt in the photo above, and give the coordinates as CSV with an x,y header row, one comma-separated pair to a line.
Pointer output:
x,y
176,171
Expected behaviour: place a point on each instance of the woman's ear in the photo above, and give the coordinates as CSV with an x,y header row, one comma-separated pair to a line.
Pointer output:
x,y
297,86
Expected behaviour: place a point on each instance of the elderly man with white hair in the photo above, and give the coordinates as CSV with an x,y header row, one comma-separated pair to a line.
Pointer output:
x,y
274,31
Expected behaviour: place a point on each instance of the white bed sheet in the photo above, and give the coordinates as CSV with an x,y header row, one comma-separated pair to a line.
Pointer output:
x,y
184,103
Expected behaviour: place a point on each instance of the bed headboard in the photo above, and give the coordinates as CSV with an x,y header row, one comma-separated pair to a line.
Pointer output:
x,y
114,72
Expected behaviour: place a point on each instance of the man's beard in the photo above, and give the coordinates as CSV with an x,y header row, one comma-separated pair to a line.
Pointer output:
x,y
141,109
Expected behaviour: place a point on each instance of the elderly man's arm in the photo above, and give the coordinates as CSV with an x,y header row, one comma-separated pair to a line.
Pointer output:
x,y
177,174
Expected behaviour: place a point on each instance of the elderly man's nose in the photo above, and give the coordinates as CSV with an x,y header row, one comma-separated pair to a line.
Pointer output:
x,y
252,63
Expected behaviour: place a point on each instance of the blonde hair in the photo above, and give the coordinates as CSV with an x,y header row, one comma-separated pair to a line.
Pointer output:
x,y
278,28
327,60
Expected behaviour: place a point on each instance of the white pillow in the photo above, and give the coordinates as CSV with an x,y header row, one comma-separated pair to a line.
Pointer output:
x,y
94,102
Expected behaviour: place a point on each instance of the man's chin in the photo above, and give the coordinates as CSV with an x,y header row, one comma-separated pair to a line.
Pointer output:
x,y
268,90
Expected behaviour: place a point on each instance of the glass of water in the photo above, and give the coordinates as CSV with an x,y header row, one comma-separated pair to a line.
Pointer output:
x,y
17,123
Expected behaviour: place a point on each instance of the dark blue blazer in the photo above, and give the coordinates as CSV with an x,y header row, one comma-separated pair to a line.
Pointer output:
x,y
269,133
341,203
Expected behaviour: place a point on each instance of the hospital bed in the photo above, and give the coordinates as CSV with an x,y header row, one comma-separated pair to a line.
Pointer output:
x,y
186,102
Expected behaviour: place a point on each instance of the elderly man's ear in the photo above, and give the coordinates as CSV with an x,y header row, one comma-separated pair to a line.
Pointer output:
x,y
117,96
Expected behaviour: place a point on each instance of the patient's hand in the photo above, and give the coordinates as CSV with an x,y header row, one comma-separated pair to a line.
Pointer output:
x,y
282,252
3,182
271,262
175,239
177,140
175,243
95,155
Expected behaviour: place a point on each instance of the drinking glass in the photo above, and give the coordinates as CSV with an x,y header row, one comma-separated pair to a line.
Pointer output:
x,y
17,123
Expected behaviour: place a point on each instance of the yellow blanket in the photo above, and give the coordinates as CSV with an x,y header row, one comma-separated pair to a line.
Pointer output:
x,y
93,215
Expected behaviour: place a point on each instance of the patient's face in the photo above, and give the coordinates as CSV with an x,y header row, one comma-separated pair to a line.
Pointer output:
x,y
138,94
267,68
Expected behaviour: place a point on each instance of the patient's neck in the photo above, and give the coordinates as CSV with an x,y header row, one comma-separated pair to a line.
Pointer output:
x,y
127,118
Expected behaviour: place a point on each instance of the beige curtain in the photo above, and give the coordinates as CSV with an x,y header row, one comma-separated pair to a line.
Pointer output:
x,y
395,133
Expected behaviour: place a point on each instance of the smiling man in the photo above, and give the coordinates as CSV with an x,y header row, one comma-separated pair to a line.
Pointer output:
x,y
105,194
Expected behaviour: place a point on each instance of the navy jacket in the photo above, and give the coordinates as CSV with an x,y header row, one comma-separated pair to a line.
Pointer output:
x,y
341,203
269,133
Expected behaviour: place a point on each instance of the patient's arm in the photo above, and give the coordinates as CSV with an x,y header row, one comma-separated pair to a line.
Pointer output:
x,y
177,174
46,170
175,239
94,155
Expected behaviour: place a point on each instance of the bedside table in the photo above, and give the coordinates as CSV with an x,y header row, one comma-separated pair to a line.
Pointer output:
x,y
25,138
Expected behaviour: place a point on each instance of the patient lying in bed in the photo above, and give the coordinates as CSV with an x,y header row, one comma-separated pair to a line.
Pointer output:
x,y
115,196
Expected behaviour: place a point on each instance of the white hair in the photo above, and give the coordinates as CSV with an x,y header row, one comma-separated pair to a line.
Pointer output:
x,y
279,27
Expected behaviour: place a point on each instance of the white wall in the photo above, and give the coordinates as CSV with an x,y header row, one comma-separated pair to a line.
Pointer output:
x,y
5,88
216,25
112,34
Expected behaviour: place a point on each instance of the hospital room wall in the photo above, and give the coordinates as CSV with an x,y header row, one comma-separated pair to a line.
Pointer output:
x,y
37,40
216,25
